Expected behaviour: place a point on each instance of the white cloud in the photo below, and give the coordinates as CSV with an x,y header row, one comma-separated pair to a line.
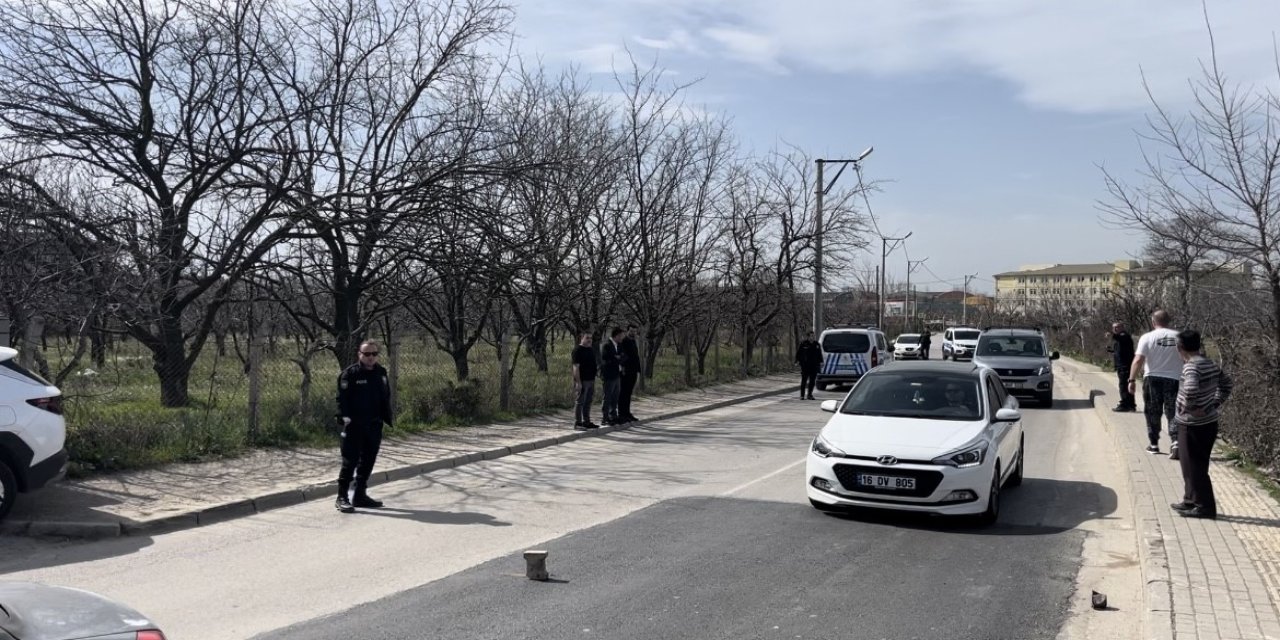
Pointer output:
x,y
1081,56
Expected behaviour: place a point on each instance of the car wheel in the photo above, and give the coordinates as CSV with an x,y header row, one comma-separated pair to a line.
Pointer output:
x,y
1015,479
1046,399
8,489
944,355
822,386
992,513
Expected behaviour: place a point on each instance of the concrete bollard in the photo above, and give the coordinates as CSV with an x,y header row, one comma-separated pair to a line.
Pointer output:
x,y
536,568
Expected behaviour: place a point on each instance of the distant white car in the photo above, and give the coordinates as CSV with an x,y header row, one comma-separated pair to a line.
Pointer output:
x,y
960,343
933,437
907,346
33,432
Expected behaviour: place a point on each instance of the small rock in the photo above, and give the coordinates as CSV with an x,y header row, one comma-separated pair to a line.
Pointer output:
x,y
1099,600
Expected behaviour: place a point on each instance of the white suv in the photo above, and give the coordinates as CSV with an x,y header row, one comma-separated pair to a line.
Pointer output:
x,y
960,343
849,352
32,431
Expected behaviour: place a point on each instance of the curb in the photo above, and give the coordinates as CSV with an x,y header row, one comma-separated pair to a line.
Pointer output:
x,y
1153,558
292,497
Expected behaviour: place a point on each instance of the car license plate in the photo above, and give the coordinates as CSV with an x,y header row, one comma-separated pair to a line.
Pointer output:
x,y
887,482
1013,385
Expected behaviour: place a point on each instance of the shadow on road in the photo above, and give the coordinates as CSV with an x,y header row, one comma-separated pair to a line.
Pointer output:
x,y
1041,506
429,516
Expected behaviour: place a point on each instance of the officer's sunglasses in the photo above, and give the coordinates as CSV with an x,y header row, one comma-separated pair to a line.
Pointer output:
x,y
369,353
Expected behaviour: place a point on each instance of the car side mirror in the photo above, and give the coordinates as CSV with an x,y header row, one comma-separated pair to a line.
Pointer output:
x,y
1008,415
1055,355
830,405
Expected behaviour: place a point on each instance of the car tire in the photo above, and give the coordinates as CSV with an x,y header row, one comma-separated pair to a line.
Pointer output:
x,y
1046,399
992,514
8,489
1015,479
822,386
944,355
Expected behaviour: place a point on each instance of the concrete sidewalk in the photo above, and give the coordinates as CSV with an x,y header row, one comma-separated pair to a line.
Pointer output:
x,y
1205,579
179,496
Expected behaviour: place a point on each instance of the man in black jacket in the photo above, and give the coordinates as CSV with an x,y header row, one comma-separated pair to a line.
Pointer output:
x,y
809,357
611,374
1121,350
364,406
630,373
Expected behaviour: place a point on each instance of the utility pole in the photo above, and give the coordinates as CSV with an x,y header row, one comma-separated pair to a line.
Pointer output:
x,y
883,297
964,302
906,296
820,191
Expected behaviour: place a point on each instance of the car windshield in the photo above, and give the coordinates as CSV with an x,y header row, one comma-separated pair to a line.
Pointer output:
x,y
908,340
967,335
846,343
1017,346
935,396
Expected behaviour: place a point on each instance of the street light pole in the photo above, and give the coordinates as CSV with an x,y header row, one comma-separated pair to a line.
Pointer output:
x,y
906,297
964,302
820,191
883,295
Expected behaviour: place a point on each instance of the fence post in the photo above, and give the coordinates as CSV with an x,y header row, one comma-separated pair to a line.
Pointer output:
x,y
504,366
393,368
256,344
31,341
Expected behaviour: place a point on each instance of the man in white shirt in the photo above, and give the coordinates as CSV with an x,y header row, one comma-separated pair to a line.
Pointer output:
x,y
1158,358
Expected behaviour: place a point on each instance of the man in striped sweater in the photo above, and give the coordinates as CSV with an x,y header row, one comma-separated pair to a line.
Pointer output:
x,y
1204,389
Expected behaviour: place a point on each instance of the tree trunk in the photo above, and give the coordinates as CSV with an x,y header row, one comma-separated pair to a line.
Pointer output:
x,y
537,347
460,364
651,353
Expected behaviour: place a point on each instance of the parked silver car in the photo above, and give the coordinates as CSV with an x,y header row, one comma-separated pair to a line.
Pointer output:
x,y
1021,357
30,611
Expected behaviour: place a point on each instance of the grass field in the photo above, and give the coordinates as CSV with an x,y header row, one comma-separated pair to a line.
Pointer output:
x,y
115,420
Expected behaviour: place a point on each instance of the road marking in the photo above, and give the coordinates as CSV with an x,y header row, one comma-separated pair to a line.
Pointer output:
x,y
764,477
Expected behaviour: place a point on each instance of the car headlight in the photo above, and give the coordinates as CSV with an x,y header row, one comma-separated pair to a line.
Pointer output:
x,y
1044,370
970,456
824,449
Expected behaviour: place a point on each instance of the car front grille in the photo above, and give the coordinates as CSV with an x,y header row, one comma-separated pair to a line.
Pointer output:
x,y
1024,373
926,481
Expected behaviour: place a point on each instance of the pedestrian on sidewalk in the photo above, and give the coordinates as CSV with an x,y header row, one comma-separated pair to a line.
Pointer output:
x,y
1121,349
584,382
611,374
1205,388
1157,357
925,343
809,357
364,406
631,370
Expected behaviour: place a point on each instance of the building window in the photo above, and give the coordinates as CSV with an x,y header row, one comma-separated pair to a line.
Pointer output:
x,y
1022,280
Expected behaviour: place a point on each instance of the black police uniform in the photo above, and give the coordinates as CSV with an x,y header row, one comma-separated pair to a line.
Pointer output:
x,y
364,395
809,357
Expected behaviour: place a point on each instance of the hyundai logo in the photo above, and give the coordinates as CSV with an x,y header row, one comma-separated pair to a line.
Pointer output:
x,y
887,460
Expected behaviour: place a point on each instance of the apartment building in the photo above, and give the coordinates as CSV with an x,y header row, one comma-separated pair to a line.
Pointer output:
x,y
1087,285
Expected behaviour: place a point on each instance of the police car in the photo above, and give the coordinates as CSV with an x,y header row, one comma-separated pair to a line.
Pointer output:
x,y
848,352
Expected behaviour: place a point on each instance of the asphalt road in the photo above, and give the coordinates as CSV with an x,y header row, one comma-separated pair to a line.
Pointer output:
x,y
696,528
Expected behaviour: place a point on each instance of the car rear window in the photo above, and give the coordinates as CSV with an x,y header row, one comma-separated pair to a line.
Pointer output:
x,y
24,372
846,343
967,335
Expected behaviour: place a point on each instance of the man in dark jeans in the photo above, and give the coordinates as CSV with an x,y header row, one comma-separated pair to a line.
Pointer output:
x,y
630,374
809,357
611,374
926,342
1121,350
1157,357
584,382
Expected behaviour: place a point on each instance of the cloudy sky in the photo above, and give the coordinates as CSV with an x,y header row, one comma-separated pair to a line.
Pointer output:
x,y
991,119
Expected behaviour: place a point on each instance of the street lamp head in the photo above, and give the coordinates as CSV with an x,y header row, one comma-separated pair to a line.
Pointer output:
x,y
865,154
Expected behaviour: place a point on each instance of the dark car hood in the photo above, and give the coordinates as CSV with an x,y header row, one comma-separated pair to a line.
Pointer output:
x,y
40,612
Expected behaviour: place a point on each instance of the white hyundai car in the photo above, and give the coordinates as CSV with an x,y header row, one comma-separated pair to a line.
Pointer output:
x,y
32,431
934,437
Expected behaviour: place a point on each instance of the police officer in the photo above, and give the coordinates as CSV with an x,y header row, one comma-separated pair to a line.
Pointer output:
x,y
364,406
809,357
